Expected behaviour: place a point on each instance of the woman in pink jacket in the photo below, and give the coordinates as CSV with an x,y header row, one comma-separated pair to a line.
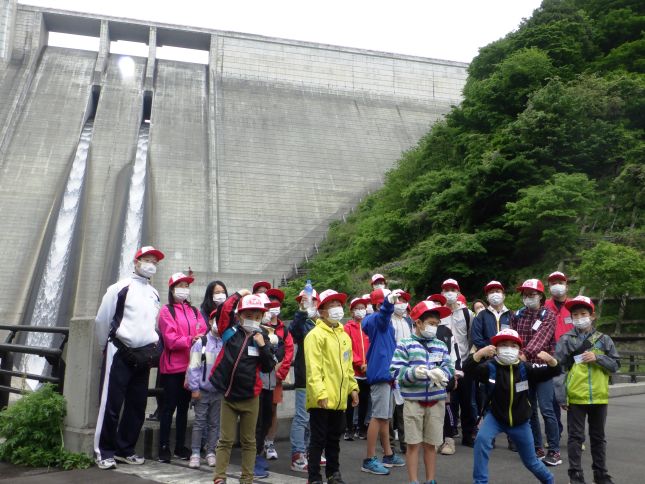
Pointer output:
x,y
181,324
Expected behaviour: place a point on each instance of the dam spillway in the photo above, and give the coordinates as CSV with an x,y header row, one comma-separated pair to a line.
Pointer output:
x,y
250,156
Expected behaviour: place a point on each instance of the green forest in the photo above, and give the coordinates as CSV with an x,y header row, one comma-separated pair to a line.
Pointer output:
x,y
540,168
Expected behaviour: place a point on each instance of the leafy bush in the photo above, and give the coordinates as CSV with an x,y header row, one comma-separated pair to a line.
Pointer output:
x,y
33,429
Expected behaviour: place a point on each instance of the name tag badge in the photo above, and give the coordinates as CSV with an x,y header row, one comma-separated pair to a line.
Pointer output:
x,y
578,358
537,324
568,321
253,351
521,386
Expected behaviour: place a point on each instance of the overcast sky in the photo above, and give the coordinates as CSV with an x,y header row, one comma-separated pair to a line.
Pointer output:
x,y
442,29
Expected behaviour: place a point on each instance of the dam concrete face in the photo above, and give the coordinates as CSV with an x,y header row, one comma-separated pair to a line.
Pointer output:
x,y
250,156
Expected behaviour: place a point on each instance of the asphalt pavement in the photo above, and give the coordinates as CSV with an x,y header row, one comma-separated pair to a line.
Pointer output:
x,y
625,445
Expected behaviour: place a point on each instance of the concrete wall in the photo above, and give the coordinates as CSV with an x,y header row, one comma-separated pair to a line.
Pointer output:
x,y
250,157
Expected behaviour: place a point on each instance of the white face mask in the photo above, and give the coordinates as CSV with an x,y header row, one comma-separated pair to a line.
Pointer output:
x,y
507,354
147,269
250,325
335,314
558,290
451,297
379,286
266,317
429,331
312,312
399,309
360,313
219,298
181,293
532,302
369,309
274,312
495,298
582,323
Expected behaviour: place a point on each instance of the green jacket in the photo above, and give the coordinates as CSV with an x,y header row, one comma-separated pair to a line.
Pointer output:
x,y
585,383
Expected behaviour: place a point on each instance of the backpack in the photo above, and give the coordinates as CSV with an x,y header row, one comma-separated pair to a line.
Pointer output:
x,y
490,386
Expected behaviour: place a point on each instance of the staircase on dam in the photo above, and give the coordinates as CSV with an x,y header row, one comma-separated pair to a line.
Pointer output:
x,y
249,157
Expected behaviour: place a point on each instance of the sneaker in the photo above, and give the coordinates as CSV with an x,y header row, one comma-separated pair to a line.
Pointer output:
x,y
108,463
373,466
269,450
182,453
362,434
539,453
448,446
133,459
323,460
195,461
357,433
393,461
262,462
576,478
348,436
211,460
599,478
154,416
335,478
552,458
259,471
299,462
164,454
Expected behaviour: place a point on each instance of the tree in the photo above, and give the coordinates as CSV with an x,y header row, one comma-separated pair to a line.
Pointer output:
x,y
613,270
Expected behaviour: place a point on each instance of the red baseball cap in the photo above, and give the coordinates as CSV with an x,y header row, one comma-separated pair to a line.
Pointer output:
x,y
314,295
358,300
534,284
557,276
425,306
331,295
493,285
252,301
378,277
580,301
276,293
261,284
450,283
377,296
178,277
148,249
440,298
506,335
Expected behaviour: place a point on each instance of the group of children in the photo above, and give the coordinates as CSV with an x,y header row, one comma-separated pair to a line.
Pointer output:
x,y
392,355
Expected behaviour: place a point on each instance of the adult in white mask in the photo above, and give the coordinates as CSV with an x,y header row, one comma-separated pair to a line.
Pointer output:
x,y
214,297
459,321
181,325
422,367
535,325
507,408
125,323
378,282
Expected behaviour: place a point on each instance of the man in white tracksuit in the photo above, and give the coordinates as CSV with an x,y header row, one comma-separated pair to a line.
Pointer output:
x,y
125,328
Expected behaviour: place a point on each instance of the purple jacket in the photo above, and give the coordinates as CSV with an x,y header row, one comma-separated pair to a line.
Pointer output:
x,y
196,377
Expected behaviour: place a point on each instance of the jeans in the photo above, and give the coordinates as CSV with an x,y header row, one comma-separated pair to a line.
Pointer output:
x,y
300,425
326,428
207,413
542,394
521,435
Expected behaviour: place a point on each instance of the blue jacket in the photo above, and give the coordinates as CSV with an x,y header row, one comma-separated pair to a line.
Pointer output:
x,y
485,326
379,330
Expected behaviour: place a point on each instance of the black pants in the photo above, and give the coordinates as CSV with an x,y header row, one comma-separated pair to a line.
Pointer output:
x,y
175,396
462,405
363,403
325,427
396,422
265,416
127,388
597,415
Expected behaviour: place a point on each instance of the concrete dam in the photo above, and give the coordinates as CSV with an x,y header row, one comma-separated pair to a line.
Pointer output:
x,y
234,168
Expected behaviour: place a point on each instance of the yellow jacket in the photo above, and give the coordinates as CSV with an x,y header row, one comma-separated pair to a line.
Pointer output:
x,y
330,375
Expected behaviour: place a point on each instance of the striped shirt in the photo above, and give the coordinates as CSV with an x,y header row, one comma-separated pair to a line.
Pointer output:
x,y
412,352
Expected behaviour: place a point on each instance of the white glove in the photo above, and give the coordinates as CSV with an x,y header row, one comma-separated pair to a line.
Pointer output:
x,y
438,377
421,372
393,297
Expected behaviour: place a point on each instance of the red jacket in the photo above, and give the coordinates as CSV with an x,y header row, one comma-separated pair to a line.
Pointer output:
x,y
285,364
360,345
563,322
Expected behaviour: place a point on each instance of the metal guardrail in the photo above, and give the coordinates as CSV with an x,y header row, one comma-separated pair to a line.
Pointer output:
x,y
634,363
54,357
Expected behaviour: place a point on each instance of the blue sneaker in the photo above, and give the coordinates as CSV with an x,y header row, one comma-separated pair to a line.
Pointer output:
x,y
373,466
259,470
262,462
393,461
430,482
